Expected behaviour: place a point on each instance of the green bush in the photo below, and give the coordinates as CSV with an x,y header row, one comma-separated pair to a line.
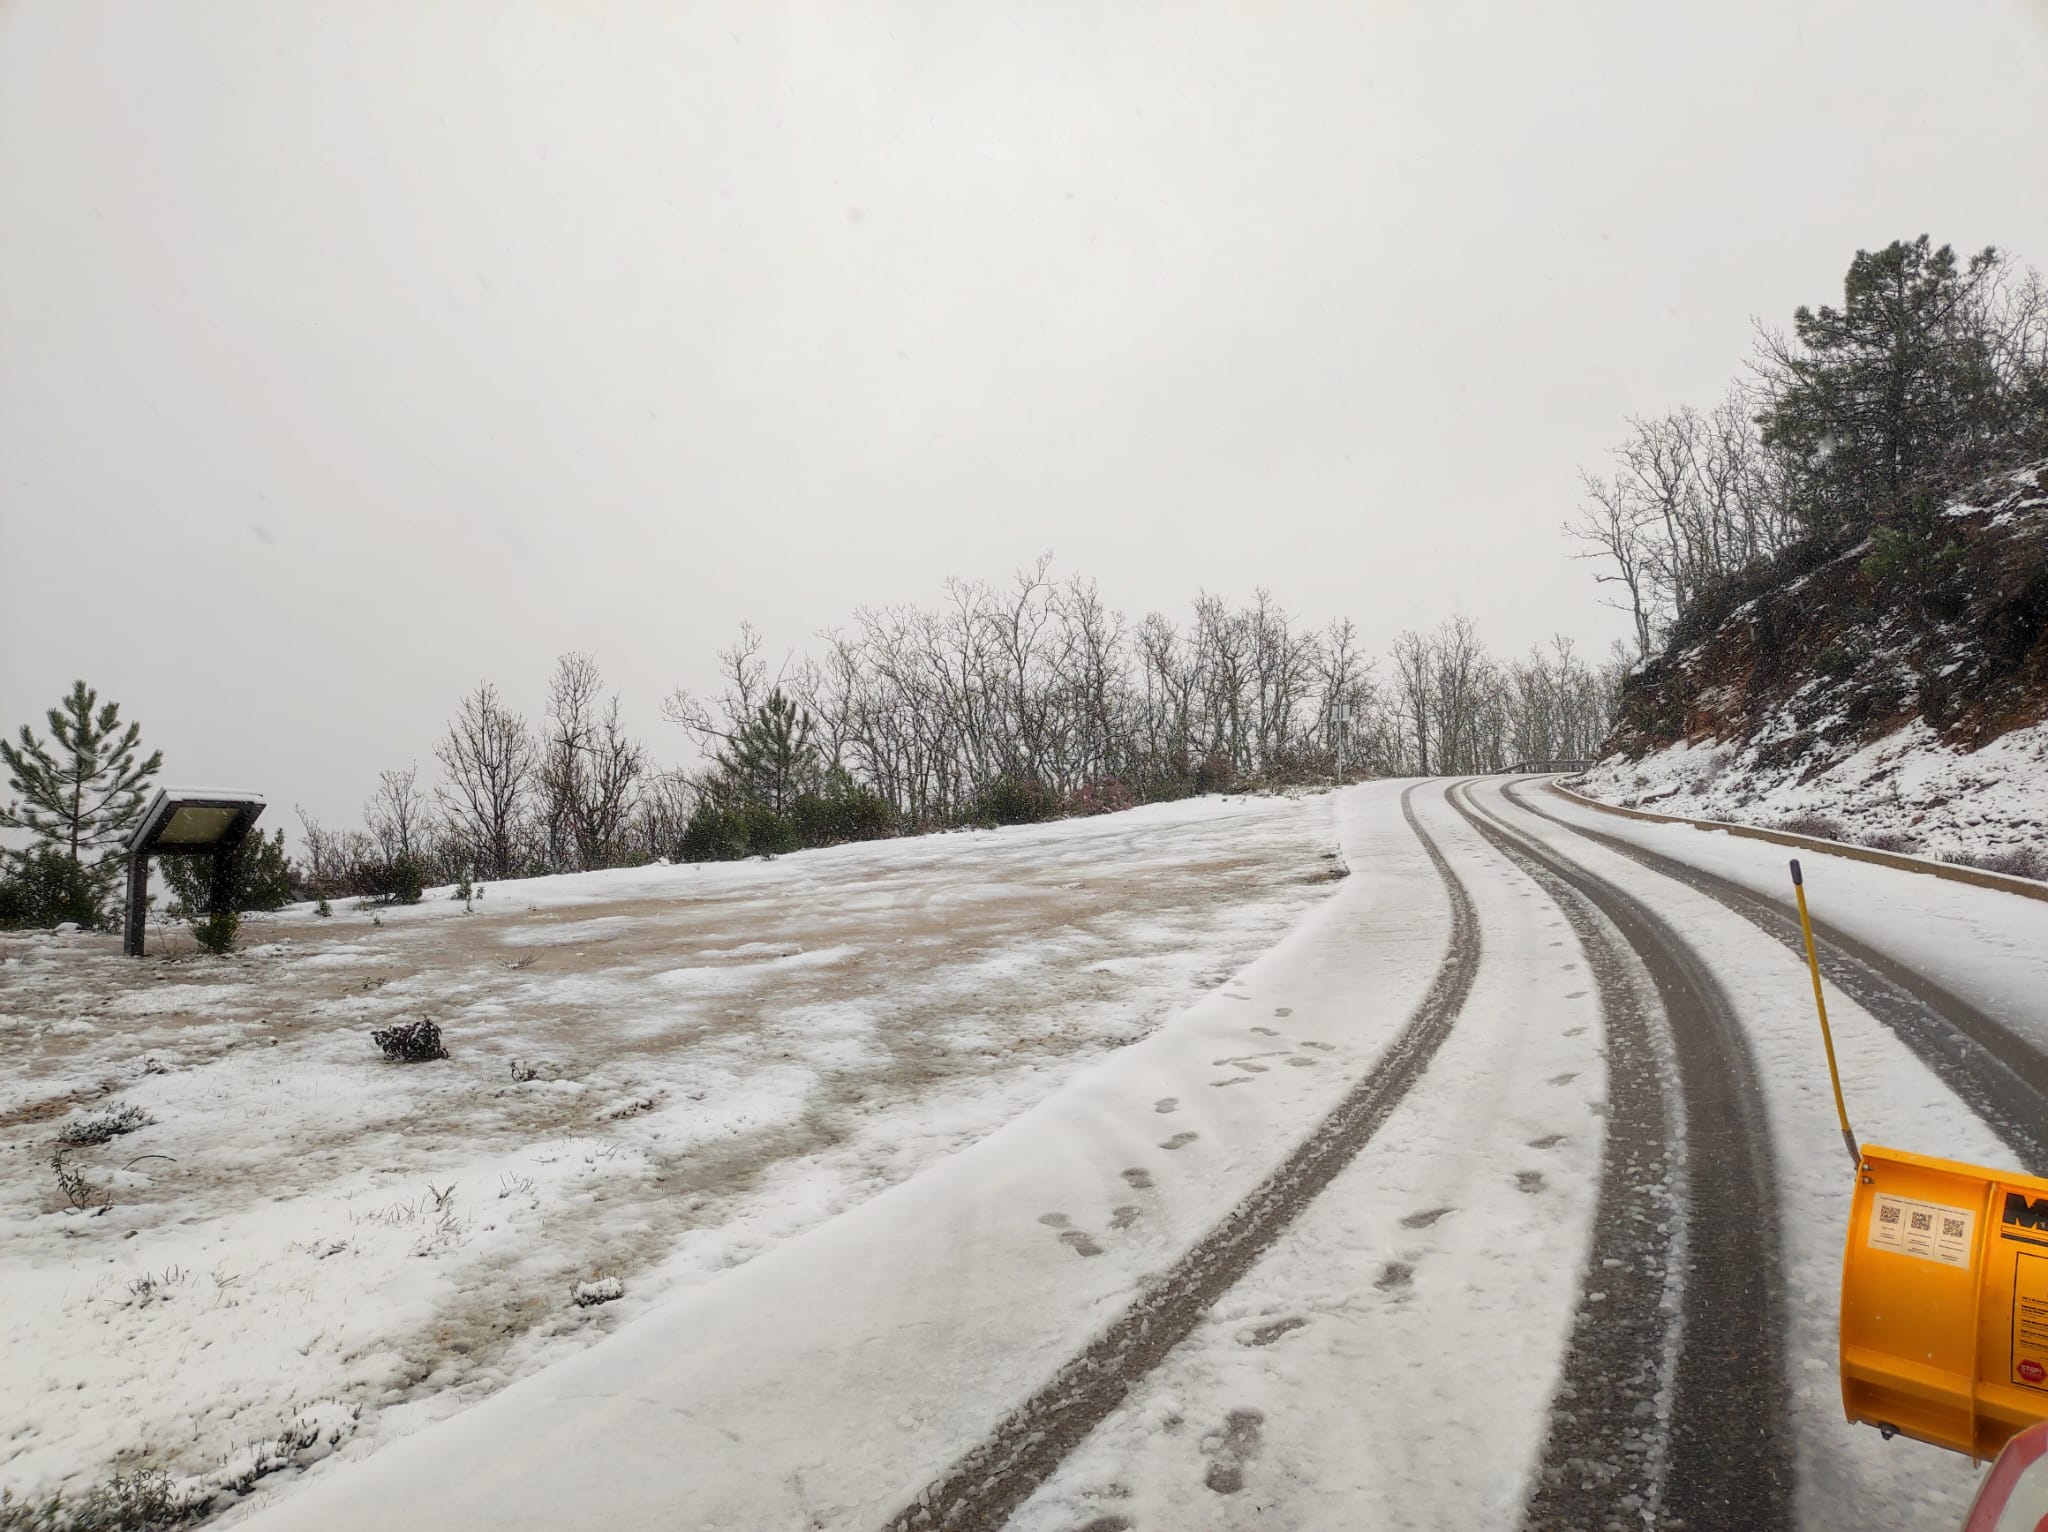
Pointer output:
x,y
399,881
217,933
713,834
843,811
44,887
767,832
1012,800
259,876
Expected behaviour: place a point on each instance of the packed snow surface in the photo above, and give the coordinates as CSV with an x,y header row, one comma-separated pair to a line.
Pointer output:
x,y
656,1075
789,1247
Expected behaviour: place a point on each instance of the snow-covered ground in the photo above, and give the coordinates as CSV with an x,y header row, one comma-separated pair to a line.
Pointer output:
x,y
878,1141
1906,792
656,1075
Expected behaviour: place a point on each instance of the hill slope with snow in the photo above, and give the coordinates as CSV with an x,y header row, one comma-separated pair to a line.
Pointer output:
x,y
1892,693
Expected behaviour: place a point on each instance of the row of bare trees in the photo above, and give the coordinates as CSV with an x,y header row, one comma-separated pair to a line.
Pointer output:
x,y
1861,421
1035,681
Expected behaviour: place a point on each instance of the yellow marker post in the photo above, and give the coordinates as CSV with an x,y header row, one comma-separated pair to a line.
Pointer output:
x,y
1827,1037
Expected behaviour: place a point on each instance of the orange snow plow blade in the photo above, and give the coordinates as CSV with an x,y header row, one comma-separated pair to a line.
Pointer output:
x,y
1945,1301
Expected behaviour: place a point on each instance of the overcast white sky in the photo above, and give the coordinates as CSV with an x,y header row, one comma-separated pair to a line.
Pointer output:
x,y
352,352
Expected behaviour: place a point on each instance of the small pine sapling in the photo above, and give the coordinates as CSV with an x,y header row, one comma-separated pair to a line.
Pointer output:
x,y
218,933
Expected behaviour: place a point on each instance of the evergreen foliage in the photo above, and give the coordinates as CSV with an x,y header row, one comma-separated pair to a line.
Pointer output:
x,y
771,758
1898,391
260,876
1013,800
43,887
82,791
218,932
841,810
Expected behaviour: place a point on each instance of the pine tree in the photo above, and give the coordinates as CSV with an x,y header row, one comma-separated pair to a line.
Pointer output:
x,y
1892,397
771,758
83,792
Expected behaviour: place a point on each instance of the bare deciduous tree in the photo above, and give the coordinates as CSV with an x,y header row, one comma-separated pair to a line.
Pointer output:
x,y
488,761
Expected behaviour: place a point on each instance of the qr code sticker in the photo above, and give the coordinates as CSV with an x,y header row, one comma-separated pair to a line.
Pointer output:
x,y
1889,1213
1952,1228
1922,1222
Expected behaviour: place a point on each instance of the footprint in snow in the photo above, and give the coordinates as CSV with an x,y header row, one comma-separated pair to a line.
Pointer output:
x,y
1425,1218
1577,994
1283,1010
1321,1047
1180,1140
1265,1335
1574,1031
1138,1179
1230,1449
1166,1104
1265,1031
1299,1062
1073,1239
1548,1141
1564,1079
1557,944
1530,1181
1395,1277
1233,1080
1124,1217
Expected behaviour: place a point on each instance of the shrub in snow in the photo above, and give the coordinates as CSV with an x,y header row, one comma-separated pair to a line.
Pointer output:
x,y
1016,801
323,909
2013,861
589,1295
1820,826
78,1191
98,1127
841,810
259,876
411,1042
43,888
217,933
1111,797
129,1502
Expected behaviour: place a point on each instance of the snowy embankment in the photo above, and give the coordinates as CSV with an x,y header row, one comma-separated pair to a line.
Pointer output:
x,y
1906,792
656,1075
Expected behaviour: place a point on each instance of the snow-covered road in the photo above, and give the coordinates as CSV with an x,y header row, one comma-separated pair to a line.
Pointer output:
x,y
1505,1185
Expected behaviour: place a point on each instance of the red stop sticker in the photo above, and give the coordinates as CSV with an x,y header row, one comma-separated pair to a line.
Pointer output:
x,y
2030,1371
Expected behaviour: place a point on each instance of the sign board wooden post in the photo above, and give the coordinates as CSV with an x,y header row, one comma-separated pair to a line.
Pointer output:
x,y
185,821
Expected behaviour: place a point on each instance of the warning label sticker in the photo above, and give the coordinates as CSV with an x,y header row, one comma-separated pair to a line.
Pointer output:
x,y
2030,1321
1924,1229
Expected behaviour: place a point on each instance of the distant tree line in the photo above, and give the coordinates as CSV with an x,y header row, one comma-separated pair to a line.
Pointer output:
x,y
1859,424
1002,704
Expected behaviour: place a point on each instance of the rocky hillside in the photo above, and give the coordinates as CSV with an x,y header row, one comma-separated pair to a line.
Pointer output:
x,y
1892,693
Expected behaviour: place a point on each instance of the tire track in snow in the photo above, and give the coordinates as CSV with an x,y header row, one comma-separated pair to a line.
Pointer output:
x,y
1996,1074
1603,1460
978,1493
1721,1457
